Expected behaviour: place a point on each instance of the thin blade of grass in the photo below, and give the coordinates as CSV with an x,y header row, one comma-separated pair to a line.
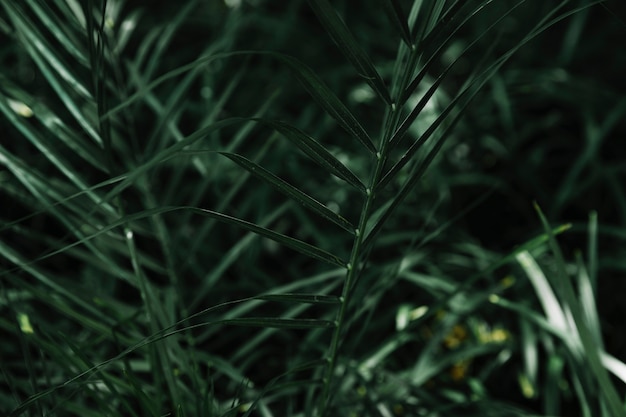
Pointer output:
x,y
249,305
471,280
530,354
293,311
530,316
55,126
588,301
49,150
166,36
168,76
61,78
592,351
617,367
547,297
289,190
35,41
60,30
302,367
592,250
552,395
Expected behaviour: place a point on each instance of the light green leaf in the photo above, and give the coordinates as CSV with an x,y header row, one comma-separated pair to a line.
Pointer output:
x,y
591,350
60,30
543,289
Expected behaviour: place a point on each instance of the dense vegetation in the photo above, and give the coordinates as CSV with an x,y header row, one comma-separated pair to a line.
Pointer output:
x,y
291,208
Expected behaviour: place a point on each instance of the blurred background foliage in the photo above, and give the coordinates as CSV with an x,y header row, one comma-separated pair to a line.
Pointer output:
x,y
548,127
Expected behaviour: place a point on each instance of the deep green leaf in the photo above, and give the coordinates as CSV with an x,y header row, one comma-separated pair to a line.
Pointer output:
x,y
393,8
301,298
434,57
289,190
427,25
232,256
349,46
278,323
325,97
314,150
290,242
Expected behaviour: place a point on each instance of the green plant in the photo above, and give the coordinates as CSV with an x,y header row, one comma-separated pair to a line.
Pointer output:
x,y
171,193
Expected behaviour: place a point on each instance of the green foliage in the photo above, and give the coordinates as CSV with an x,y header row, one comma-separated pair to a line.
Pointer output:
x,y
241,208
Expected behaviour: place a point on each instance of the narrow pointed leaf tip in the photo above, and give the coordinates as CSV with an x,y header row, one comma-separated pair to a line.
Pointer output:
x,y
279,323
349,46
398,18
314,150
289,190
301,298
295,244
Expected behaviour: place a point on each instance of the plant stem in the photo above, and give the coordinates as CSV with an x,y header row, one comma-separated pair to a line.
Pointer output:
x,y
390,123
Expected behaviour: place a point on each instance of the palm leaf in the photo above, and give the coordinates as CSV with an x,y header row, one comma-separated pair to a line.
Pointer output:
x,y
350,47
289,190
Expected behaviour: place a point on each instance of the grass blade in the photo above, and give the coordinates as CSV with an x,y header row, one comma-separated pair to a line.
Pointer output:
x,y
349,46
289,190
592,352
548,299
61,77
